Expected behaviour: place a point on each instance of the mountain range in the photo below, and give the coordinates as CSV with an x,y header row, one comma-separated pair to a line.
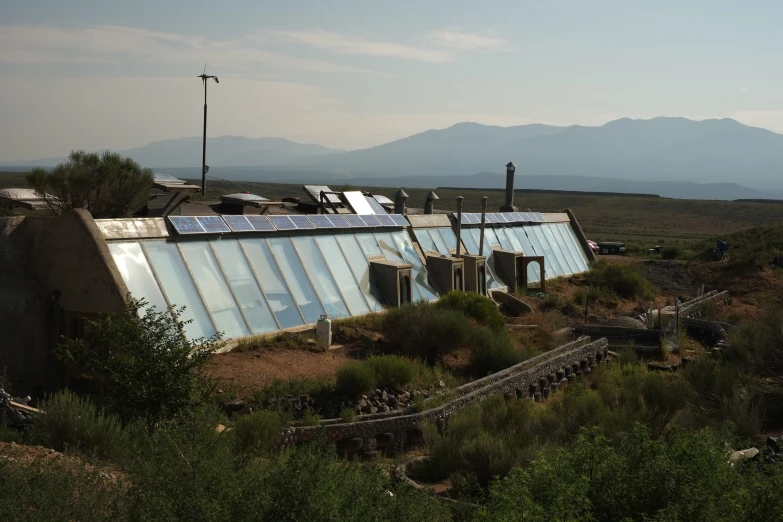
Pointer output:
x,y
650,156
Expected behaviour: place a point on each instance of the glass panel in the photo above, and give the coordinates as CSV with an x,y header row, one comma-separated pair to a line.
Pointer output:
x,y
361,269
294,274
551,265
491,237
425,241
214,289
527,247
441,245
137,274
389,248
471,245
516,246
419,271
271,280
573,267
555,246
179,288
369,244
322,280
449,237
576,248
343,275
503,239
244,285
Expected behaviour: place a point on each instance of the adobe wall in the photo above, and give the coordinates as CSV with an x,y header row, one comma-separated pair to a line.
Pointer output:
x,y
536,381
39,256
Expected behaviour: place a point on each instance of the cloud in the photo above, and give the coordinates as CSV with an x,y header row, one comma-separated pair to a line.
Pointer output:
x,y
467,41
439,47
44,44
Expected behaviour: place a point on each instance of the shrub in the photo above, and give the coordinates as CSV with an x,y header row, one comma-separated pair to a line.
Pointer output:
x,y
256,434
671,252
146,364
492,352
74,423
420,330
392,370
623,280
109,186
479,308
355,378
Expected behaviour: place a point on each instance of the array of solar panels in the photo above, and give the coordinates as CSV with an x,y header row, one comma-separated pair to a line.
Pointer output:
x,y
501,218
188,225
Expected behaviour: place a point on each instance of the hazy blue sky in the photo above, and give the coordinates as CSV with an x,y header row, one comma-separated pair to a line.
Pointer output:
x,y
106,74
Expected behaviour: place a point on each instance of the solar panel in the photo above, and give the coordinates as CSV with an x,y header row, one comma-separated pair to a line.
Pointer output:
x,y
213,224
371,220
502,217
321,221
260,223
186,225
525,218
375,205
540,217
338,221
359,202
518,217
302,222
473,219
354,220
492,218
386,220
238,223
399,220
315,192
383,200
282,222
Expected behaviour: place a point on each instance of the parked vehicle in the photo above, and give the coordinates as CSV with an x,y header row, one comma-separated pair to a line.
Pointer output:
x,y
593,246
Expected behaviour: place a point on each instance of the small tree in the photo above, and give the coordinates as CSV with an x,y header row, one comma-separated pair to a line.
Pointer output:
x,y
148,368
109,186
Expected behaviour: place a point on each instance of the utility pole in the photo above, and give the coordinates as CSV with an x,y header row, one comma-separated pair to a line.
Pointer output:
x,y
204,77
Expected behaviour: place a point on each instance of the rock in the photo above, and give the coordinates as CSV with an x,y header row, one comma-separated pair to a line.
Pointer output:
x,y
392,401
773,442
441,384
385,408
364,397
378,393
234,405
363,404
384,396
373,409
405,396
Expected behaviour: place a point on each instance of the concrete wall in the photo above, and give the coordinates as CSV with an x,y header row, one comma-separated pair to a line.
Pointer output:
x,y
50,267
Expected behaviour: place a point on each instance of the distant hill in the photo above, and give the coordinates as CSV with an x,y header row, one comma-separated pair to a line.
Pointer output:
x,y
673,157
221,151
660,149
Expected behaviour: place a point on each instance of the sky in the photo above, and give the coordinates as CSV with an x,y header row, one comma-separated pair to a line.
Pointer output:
x,y
115,75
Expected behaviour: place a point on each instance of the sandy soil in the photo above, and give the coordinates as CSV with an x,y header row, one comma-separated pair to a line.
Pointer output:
x,y
245,373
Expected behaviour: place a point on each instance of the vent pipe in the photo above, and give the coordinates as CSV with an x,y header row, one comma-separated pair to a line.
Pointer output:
x,y
459,223
509,204
429,204
399,202
483,222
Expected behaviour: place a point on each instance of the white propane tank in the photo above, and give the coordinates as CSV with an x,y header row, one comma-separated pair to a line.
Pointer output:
x,y
323,331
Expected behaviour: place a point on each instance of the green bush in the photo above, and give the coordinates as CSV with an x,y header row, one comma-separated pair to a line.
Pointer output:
x,y
257,433
109,186
74,423
392,370
479,308
671,252
355,378
144,361
491,352
623,280
420,330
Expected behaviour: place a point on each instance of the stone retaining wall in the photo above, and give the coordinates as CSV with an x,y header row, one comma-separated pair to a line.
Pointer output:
x,y
546,375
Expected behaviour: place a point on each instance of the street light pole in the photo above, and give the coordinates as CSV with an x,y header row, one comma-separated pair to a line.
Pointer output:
x,y
204,78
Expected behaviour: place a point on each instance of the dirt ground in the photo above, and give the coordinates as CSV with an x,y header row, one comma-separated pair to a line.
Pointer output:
x,y
247,372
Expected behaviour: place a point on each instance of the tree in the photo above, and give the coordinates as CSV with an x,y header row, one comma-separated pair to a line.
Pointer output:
x,y
147,366
107,185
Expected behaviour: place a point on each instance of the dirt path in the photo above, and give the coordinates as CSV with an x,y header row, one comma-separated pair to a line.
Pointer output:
x,y
247,372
